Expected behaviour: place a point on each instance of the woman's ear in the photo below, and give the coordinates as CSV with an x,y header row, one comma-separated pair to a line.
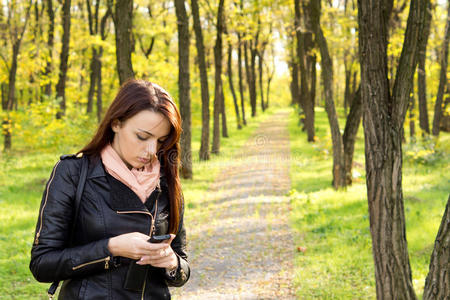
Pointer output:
x,y
115,125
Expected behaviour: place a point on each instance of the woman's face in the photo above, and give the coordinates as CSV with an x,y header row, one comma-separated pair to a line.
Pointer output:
x,y
138,139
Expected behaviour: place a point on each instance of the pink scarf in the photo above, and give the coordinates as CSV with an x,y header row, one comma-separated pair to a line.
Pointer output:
x,y
141,182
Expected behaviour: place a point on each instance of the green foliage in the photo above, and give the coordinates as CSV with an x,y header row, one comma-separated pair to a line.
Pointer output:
x,y
425,152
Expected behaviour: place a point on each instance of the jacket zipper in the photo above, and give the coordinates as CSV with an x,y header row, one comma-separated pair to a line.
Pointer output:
x,y
41,215
146,212
143,287
106,260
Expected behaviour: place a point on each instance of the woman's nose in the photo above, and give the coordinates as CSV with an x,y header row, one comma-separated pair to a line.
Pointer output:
x,y
152,146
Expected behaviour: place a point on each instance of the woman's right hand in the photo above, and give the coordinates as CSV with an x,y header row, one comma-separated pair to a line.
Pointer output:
x,y
133,245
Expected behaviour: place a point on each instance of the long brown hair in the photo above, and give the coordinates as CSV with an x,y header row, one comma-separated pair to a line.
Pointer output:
x,y
135,96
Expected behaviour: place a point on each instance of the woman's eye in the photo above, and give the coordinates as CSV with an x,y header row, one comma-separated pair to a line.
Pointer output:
x,y
141,138
161,141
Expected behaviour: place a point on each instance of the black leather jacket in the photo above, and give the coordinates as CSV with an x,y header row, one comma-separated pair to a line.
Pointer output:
x,y
108,208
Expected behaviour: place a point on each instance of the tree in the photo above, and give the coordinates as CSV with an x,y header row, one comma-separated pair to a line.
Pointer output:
x,y
123,19
64,59
307,65
97,52
230,80
16,24
442,77
327,77
50,43
204,144
437,283
218,92
241,84
421,75
184,88
384,114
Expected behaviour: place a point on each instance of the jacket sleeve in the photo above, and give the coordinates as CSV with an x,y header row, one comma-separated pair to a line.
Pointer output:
x,y
179,247
51,257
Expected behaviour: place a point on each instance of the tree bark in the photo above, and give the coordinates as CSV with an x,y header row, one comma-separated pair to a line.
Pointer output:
x,y
305,44
252,47
442,77
250,79
327,75
123,19
204,145
412,127
294,85
63,67
421,75
260,71
241,86
230,80
99,88
350,131
383,122
223,114
184,89
437,283
50,42
218,80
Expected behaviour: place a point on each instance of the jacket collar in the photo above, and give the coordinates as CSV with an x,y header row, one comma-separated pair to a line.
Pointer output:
x,y
122,198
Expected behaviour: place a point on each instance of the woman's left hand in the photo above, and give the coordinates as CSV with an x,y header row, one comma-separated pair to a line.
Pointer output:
x,y
161,255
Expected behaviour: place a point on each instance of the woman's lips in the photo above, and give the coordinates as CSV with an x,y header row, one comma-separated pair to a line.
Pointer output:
x,y
144,160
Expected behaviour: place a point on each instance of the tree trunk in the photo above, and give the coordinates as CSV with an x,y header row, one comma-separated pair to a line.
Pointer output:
x,y
99,86
260,71
123,19
204,147
252,48
305,44
61,86
93,80
250,80
327,75
230,80
51,31
421,75
294,86
103,35
218,80
241,85
383,122
412,128
437,283
347,86
350,131
223,113
443,77
7,121
184,88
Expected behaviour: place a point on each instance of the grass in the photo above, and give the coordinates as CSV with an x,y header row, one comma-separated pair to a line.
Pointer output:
x,y
334,225
23,176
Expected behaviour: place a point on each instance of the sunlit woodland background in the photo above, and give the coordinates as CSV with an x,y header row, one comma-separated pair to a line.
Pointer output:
x,y
227,64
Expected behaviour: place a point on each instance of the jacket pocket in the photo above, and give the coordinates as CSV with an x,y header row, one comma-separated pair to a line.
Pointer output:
x,y
104,260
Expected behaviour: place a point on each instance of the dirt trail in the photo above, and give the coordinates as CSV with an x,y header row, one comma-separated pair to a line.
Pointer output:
x,y
246,248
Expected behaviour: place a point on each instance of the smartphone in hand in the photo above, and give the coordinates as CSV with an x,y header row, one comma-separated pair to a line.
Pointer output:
x,y
159,238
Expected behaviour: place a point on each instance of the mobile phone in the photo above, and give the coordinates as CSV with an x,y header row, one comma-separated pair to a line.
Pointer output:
x,y
159,238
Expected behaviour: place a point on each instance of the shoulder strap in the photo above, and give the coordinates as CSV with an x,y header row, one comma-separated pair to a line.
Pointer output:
x,y
79,193
80,187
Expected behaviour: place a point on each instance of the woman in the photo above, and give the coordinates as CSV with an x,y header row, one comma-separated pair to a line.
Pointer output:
x,y
132,192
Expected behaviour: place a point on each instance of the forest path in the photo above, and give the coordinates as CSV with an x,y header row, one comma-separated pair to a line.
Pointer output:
x,y
244,249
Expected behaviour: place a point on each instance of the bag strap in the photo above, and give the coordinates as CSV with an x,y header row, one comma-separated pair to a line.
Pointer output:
x,y
80,187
